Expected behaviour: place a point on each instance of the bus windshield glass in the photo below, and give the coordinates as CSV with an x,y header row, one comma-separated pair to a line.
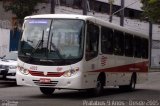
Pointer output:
x,y
52,39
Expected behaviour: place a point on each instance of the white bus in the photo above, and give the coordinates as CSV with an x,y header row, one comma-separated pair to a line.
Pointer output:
x,y
60,51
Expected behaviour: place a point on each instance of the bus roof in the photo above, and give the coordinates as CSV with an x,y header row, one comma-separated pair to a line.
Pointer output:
x,y
91,18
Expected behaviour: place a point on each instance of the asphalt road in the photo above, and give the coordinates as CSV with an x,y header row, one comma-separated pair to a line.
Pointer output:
x,y
147,94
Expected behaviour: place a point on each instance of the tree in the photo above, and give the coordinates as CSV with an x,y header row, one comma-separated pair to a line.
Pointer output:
x,y
21,8
151,10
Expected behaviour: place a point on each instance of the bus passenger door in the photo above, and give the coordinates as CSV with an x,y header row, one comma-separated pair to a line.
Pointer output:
x,y
91,53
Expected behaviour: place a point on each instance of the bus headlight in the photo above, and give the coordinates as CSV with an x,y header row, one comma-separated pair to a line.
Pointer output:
x,y
70,72
23,71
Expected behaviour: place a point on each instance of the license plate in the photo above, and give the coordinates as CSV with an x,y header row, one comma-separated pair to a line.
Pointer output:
x,y
45,80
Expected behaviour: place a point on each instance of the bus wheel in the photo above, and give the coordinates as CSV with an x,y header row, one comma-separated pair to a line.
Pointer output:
x,y
131,86
97,91
99,88
47,91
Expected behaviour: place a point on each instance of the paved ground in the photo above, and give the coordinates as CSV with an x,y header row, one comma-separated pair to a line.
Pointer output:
x,y
147,94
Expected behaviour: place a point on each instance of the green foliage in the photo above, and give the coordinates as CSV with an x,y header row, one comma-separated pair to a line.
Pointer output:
x,y
152,1
21,8
151,10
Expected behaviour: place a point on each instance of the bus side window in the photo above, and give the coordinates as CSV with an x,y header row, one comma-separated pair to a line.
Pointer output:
x,y
128,45
137,47
92,41
144,46
118,43
106,40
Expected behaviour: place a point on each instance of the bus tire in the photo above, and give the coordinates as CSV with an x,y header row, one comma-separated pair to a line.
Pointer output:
x,y
131,86
99,88
47,91
97,91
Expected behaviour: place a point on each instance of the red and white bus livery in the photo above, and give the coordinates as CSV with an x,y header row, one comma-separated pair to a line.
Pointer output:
x,y
60,51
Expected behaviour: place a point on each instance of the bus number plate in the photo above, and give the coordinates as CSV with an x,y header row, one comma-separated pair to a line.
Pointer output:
x,y
45,80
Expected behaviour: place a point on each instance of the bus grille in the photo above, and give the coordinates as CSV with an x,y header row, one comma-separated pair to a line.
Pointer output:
x,y
52,83
49,74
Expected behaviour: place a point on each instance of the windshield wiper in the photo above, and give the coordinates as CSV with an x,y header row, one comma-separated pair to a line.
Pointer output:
x,y
40,42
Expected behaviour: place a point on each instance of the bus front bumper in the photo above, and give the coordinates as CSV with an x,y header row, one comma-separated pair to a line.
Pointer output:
x,y
73,82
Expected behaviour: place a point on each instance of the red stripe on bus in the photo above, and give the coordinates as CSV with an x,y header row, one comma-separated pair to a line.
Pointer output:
x,y
136,67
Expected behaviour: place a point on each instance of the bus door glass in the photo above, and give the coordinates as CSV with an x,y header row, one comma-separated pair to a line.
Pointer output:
x,y
92,45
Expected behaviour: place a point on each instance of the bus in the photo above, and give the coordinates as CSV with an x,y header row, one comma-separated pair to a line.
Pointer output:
x,y
60,51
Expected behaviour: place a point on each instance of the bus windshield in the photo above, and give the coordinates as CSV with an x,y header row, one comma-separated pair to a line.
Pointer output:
x,y
52,39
